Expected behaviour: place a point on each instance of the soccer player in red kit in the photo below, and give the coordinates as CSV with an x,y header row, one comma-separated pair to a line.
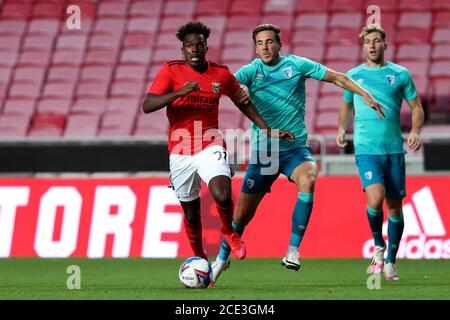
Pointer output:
x,y
191,90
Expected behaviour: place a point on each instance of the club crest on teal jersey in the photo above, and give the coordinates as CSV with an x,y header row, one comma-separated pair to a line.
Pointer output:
x,y
368,175
216,87
250,183
360,81
287,72
391,79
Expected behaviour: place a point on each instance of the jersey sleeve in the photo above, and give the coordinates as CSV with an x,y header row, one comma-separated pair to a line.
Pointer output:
x,y
312,69
231,85
162,83
245,74
409,91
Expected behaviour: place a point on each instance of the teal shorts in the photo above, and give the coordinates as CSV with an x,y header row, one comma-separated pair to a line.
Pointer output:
x,y
264,168
388,170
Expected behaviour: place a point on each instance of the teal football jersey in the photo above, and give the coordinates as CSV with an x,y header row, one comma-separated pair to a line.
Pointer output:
x,y
389,85
278,92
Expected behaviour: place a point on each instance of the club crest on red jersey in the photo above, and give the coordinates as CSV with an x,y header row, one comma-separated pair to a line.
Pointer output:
x,y
216,87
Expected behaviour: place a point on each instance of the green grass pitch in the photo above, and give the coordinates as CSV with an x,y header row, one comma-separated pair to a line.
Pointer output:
x,y
249,279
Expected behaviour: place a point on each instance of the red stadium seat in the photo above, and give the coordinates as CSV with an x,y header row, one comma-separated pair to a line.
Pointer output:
x,y
123,106
48,10
67,57
180,8
340,66
34,58
171,24
346,5
92,89
8,58
139,40
212,7
112,9
101,57
246,7
162,55
25,90
16,10
419,52
127,89
416,68
311,21
53,106
152,124
145,24
441,52
145,8
12,27
167,40
113,26
312,87
238,38
417,20
229,119
440,88
238,22
330,103
23,107
312,6
104,41
413,35
38,42
10,42
441,36
5,74
343,36
96,73
440,5
130,72
217,24
44,26
140,56
441,19
93,106
236,54
81,125
440,69
308,37
276,6
283,21
327,122
414,5
29,75
350,20
385,5
71,42
58,90
329,89
315,53
116,125
14,125
343,53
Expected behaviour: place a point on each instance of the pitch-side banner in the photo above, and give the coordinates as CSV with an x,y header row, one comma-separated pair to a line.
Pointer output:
x,y
138,217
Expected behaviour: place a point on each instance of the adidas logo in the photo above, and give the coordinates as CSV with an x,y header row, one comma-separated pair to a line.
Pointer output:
x,y
424,235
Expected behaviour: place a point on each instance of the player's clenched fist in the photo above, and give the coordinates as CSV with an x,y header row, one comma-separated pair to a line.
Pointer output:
x,y
189,87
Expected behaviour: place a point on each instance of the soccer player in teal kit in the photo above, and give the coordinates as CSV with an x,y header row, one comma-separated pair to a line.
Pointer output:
x,y
277,88
379,152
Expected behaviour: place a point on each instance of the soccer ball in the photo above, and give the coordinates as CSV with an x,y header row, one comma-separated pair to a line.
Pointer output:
x,y
195,272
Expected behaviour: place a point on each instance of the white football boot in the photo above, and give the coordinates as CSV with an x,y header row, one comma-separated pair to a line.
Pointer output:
x,y
218,266
291,261
390,272
377,263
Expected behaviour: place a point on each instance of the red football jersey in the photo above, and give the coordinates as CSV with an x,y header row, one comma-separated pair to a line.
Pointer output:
x,y
193,118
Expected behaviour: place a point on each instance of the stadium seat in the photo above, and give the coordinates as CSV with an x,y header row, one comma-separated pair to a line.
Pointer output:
x,y
329,89
38,42
385,5
92,89
441,19
440,88
440,5
340,66
414,5
113,26
14,125
145,8
96,73
112,9
348,53
346,5
43,26
419,52
58,90
12,27
124,105
34,58
48,10
246,7
29,75
71,42
130,72
25,90
23,107
343,36
441,52
93,106
327,122
416,68
181,8
217,24
140,56
154,123
416,20
139,40
5,74
330,103
16,10
104,41
80,125
308,37
67,57
242,22
161,55
413,35
146,24
349,20
101,57
441,36
311,21
238,38
283,21
212,7
53,106
315,53
116,125
8,58
10,42
276,6
237,54
167,40
127,89
46,124
312,6
440,69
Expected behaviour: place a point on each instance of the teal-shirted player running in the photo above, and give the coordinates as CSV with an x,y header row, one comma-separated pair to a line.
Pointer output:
x,y
379,151
277,88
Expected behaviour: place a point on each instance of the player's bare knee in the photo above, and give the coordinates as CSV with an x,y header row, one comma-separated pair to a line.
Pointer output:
x,y
223,200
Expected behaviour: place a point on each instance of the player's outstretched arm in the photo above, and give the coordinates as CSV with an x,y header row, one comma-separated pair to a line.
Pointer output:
x,y
413,140
345,118
344,81
153,102
249,110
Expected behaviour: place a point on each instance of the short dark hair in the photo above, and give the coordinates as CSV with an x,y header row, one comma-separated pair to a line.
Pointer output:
x,y
264,27
196,27
374,27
